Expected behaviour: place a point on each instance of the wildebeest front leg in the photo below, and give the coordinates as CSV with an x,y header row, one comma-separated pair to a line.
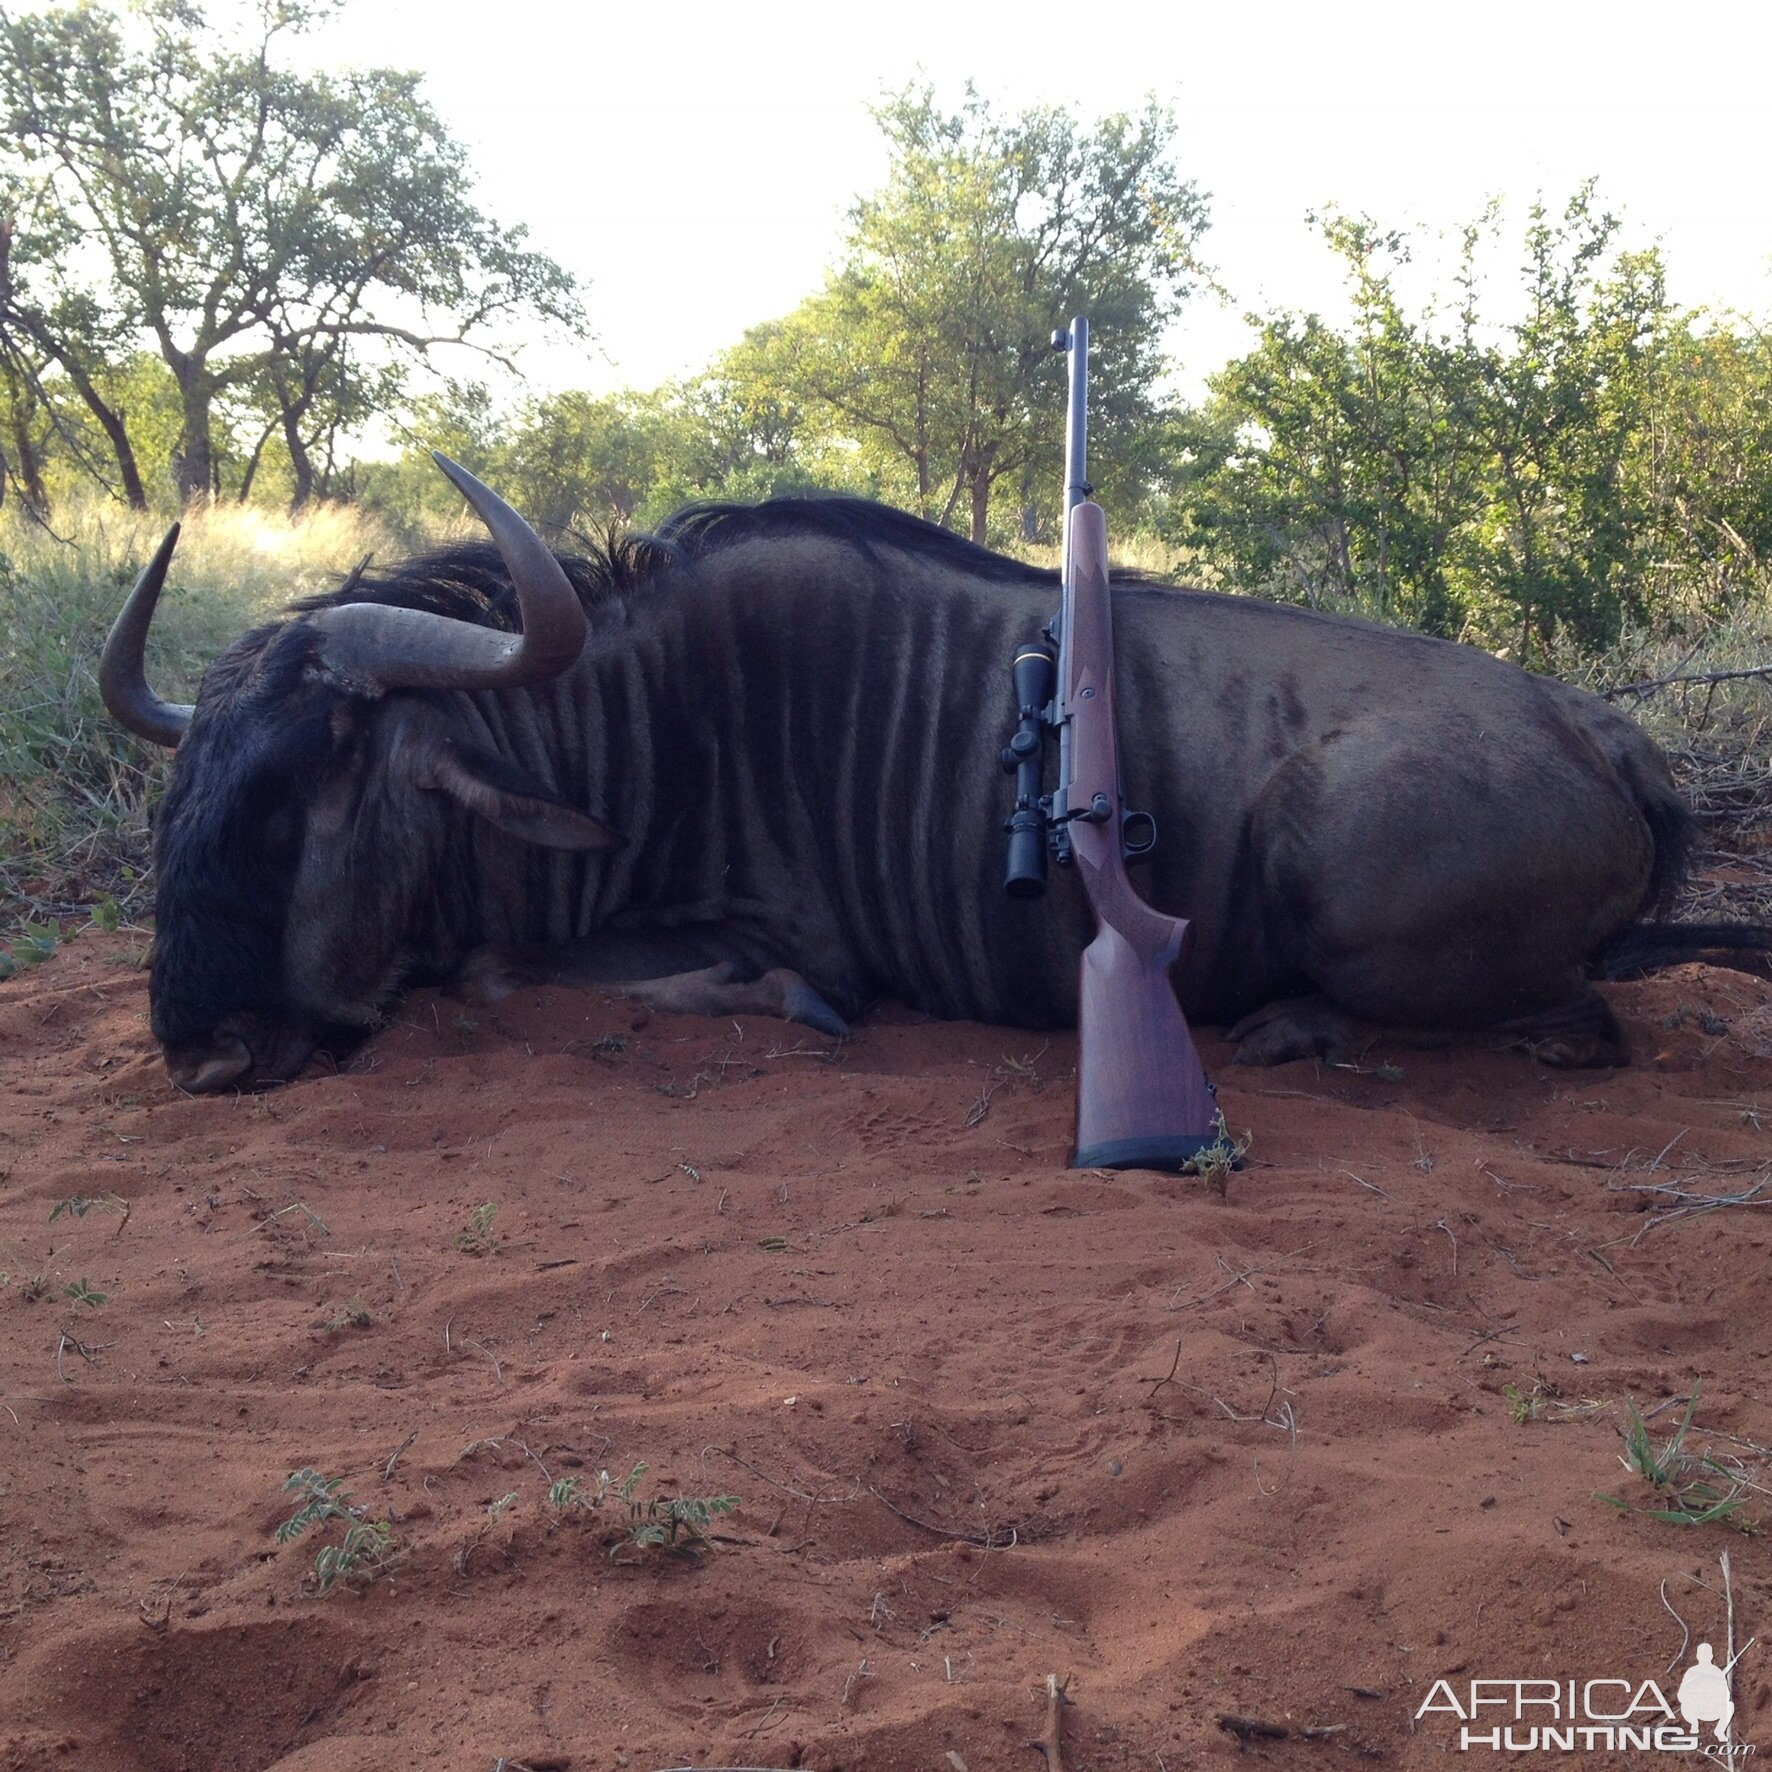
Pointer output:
x,y
716,991
682,971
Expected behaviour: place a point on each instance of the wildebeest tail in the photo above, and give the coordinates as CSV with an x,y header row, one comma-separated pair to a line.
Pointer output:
x,y
1674,831
1647,947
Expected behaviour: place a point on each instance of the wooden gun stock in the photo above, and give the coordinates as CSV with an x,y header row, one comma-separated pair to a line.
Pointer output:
x,y
1142,1096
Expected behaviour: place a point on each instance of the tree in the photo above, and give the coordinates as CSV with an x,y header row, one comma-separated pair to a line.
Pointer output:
x,y
585,461
1368,459
1513,482
262,228
929,349
66,330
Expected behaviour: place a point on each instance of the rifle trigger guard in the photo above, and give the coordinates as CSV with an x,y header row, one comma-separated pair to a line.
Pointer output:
x,y
1138,835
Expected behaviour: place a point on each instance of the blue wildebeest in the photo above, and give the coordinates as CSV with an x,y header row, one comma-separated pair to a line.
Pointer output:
x,y
753,760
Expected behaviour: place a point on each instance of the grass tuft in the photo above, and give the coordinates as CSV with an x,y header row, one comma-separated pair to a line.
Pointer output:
x,y
1689,1488
74,788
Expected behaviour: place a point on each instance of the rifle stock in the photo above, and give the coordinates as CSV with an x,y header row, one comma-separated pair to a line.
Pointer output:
x,y
1142,1096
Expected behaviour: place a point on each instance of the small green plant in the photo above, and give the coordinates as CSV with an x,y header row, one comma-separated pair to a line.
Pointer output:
x,y
107,915
479,1238
78,1205
1215,1162
362,1552
33,1287
1685,1484
675,1524
1520,1406
82,1291
35,942
354,1315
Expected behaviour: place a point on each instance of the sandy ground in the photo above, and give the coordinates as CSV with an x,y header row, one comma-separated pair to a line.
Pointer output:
x,y
988,1420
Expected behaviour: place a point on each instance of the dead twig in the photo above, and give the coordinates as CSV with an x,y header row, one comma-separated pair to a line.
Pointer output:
x,y
1169,1376
88,1351
1051,1742
1253,1729
1764,672
776,1483
388,1469
1247,1729
985,1541
1679,1654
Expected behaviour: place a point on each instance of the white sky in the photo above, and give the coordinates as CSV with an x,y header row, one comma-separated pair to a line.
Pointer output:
x,y
694,163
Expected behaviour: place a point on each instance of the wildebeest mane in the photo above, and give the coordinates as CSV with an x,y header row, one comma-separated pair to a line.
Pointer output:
x,y
467,581
700,530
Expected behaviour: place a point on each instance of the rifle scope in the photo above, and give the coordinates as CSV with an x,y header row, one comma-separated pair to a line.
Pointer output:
x,y
1035,676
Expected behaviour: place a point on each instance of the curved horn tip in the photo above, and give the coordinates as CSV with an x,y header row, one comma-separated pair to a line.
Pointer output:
x,y
470,486
122,680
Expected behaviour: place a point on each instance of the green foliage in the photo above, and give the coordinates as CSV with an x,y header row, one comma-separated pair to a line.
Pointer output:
x,y
74,787
82,1291
362,1550
78,1205
928,351
1521,1407
1685,1484
1555,480
1218,1161
262,226
675,1524
354,1315
33,943
479,1237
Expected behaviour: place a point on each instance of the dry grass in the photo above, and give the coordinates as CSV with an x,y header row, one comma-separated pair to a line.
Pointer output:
x,y
1718,738
74,790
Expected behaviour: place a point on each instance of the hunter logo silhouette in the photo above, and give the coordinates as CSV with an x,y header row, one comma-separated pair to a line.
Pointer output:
x,y
1703,1696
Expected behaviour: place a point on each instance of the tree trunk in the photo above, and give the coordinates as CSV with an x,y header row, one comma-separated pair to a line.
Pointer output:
x,y
113,426
110,421
193,458
981,505
27,471
252,461
300,462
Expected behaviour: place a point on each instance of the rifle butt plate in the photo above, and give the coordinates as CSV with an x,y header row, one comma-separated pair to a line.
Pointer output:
x,y
1171,1152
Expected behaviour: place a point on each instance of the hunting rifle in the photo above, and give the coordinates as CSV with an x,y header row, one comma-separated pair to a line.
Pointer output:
x,y
1143,1101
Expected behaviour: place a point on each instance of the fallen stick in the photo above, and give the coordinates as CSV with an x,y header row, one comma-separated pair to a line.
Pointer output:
x,y
1051,1744
1247,1729
1253,1728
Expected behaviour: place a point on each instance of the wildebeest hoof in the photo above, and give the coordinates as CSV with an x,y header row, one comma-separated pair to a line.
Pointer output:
x,y
1300,1027
201,1067
1579,1034
490,975
711,991
800,1002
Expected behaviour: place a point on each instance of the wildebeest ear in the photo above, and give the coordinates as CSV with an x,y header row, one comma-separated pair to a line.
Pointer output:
x,y
502,795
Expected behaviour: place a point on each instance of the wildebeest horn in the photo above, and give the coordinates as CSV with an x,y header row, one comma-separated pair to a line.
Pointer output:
x,y
415,649
122,677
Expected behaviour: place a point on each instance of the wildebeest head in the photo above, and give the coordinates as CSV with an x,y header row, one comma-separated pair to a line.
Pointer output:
x,y
308,805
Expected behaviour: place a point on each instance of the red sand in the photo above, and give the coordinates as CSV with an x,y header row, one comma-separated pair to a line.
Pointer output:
x,y
860,1291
